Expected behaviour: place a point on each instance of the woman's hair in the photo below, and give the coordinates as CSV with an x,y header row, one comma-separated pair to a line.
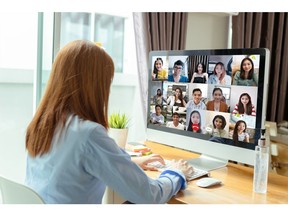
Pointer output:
x,y
241,106
180,96
79,84
217,89
242,72
223,68
203,66
155,71
190,122
223,121
235,132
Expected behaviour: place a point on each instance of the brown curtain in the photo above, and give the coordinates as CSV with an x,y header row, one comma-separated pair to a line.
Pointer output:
x,y
156,31
267,30
192,62
166,31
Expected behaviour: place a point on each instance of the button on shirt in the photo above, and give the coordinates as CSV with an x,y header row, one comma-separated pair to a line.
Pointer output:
x,y
84,160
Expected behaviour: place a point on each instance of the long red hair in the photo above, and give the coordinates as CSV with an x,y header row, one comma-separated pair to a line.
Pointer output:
x,y
79,84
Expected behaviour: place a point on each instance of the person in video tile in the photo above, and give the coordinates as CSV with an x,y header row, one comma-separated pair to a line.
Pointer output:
x,y
217,104
196,103
159,72
195,122
176,99
158,98
157,117
239,133
176,76
244,106
200,76
175,123
217,129
219,75
246,76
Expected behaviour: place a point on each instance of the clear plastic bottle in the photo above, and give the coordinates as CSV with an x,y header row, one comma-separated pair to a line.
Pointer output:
x,y
261,165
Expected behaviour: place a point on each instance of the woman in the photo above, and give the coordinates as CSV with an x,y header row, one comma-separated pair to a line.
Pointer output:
x,y
159,72
219,75
195,122
217,104
217,129
244,105
176,99
71,159
239,132
200,76
246,75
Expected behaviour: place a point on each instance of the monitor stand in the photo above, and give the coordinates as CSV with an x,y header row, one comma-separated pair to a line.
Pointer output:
x,y
207,163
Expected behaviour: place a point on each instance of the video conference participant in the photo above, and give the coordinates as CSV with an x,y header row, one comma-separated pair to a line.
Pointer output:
x,y
176,76
219,75
244,105
217,104
200,76
157,117
175,123
71,158
158,99
159,72
195,122
196,102
217,127
246,76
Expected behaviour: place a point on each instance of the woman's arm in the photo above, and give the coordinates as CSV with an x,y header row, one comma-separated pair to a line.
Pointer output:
x,y
206,76
192,79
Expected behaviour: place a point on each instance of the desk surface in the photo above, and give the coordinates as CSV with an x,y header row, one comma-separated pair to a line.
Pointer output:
x,y
237,183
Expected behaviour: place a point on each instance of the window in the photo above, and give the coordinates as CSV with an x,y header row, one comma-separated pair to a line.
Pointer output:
x,y
103,28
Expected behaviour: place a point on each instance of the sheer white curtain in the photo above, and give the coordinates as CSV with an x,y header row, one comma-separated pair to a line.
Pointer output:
x,y
142,51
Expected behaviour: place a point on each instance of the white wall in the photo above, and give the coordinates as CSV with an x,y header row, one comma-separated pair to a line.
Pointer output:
x,y
207,31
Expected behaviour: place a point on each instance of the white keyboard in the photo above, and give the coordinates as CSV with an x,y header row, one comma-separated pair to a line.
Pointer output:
x,y
195,174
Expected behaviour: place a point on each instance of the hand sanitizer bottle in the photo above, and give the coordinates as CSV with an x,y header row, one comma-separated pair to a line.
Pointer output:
x,y
261,165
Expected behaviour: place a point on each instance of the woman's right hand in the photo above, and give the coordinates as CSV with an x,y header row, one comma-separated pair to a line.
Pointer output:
x,y
182,165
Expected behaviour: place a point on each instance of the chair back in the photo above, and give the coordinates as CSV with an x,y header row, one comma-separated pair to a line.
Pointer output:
x,y
14,193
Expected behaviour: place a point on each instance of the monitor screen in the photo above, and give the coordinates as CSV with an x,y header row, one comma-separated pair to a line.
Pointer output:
x,y
199,99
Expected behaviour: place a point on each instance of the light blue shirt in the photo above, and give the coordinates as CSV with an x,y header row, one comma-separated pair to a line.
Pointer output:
x,y
84,160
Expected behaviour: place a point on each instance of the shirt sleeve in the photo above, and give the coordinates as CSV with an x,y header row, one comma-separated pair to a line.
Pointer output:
x,y
107,162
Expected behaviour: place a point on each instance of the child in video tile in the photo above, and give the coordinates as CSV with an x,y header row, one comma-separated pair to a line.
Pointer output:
x,y
217,129
175,123
239,133
195,122
244,105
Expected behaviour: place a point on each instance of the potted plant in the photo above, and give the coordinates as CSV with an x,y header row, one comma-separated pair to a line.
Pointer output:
x,y
118,124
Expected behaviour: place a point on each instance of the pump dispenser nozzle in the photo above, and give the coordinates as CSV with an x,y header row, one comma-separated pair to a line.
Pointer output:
x,y
261,141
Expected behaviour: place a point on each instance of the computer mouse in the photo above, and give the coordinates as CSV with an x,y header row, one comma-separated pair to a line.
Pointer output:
x,y
207,182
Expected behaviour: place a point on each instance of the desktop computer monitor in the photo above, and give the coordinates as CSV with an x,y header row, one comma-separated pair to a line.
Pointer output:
x,y
211,102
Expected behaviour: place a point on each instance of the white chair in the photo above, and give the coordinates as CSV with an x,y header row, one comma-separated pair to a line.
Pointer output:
x,y
14,193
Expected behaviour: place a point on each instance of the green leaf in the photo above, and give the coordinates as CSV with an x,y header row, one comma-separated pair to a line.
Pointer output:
x,y
118,120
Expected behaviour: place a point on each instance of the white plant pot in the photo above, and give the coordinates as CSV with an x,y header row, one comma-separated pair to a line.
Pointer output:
x,y
119,135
